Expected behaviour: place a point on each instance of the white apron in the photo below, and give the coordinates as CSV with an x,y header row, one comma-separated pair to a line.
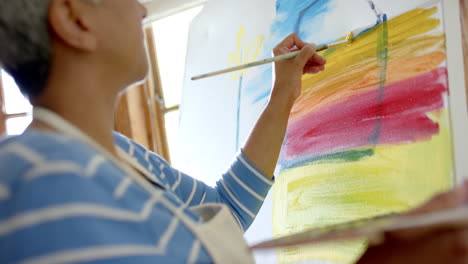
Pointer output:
x,y
218,233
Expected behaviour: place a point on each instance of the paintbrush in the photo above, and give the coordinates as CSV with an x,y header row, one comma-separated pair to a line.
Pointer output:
x,y
348,40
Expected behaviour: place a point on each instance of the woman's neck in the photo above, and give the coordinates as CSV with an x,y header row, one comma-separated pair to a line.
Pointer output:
x,y
95,123
88,105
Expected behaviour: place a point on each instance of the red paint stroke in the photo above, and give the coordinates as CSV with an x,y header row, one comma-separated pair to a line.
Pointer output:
x,y
349,124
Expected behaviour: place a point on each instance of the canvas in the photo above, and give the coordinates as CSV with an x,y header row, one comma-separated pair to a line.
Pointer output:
x,y
369,136
379,131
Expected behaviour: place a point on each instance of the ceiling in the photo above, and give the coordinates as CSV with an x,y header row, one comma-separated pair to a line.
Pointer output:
x,y
162,8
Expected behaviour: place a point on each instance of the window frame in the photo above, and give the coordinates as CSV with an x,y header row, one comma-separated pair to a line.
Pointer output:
x,y
159,100
4,116
2,108
157,95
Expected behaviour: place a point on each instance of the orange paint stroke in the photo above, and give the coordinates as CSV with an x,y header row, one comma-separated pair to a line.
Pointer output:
x,y
355,67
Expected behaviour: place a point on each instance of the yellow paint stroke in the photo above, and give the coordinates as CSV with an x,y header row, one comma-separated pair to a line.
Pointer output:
x,y
397,177
244,53
355,67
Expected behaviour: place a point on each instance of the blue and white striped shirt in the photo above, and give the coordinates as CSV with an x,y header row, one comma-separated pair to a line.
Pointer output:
x,y
63,202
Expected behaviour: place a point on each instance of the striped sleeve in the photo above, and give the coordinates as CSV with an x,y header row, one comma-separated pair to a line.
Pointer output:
x,y
243,188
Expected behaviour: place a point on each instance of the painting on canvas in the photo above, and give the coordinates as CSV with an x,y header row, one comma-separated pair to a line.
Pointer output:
x,y
372,134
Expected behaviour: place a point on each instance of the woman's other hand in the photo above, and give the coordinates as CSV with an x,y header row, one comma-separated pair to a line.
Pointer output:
x,y
426,245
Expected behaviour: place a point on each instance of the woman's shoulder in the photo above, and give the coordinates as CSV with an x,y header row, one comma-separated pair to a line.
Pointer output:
x,y
157,166
138,151
35,146
43,169
34,153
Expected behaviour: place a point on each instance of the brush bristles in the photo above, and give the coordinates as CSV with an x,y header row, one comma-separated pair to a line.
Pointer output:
x,y
350,37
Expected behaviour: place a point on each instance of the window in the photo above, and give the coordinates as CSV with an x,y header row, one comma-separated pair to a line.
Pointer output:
x,y
171,37
15,109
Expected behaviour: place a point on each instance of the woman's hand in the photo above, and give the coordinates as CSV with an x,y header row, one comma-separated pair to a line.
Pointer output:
x,y
426,245
288,81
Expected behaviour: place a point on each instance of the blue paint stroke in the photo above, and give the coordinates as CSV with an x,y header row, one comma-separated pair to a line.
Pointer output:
x,y
292,15
381,17
239,101
261,97
315,10
382,60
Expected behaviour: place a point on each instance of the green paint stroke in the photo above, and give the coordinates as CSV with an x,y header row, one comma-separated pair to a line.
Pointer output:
x,y
343,157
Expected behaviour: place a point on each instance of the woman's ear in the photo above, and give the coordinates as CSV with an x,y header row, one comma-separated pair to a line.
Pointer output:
x,y
70,23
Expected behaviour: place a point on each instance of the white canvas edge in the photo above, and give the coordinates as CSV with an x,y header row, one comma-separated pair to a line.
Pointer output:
x,y
457,98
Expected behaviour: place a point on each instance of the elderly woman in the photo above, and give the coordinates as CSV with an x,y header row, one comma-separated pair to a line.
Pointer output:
x,y
72,190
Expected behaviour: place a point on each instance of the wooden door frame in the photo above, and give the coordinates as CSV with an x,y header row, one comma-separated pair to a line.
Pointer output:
x,y
2,108
156,96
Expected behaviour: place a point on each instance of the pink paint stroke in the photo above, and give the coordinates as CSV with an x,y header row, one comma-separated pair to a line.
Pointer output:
x,y
349,124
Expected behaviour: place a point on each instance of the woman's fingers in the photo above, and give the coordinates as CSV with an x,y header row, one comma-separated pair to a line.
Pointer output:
x,y
308,59
306,54
317,60
315,65
444,201
289,43
446,247
313,69
440,202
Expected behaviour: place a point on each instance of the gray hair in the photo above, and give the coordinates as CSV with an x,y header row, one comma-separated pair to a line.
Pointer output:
x,y
25,43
